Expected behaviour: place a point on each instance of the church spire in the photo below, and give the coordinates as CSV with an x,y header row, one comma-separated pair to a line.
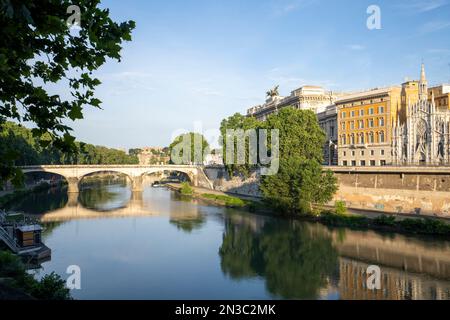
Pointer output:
x,y
423,84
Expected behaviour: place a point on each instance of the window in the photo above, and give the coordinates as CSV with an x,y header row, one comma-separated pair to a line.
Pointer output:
x,y
361,112
371,137
343,125
381,109
353,163
352,125
343,139
344,163
345,153
371,111
382,162
344,115
353,153
381,122
371,151
352,139
331,131
370,123
361,138
362,152
381,137
353,114
361,124
363,163
372,163
382,152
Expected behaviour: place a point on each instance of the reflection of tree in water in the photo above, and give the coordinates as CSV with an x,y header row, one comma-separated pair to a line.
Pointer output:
x,y
188,224
99,194
41,202
294,259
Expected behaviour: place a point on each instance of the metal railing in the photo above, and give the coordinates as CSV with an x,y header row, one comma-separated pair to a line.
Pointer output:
x,y
10,242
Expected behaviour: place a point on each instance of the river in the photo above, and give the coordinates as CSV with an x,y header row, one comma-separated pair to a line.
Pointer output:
x,y
160,245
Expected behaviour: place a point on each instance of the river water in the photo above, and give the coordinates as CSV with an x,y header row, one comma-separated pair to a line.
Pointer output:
x,y
159,245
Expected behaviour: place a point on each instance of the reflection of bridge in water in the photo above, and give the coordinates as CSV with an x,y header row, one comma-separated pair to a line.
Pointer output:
x,y
135,207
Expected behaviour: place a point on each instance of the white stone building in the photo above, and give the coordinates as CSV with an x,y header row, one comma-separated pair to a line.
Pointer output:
x,y
424,139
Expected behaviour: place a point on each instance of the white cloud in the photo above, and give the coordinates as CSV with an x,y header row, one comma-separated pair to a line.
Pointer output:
x,y
434,26
283,7
208,92
439,51
421,6
357,47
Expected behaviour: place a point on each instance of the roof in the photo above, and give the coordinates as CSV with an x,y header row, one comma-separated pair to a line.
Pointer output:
x,y
364,94
30,227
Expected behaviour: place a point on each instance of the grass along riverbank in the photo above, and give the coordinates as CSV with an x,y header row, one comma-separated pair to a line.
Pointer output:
x,y
334,217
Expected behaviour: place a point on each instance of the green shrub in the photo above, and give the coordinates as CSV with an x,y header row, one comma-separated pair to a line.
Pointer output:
x,y
51,287
333,219
228,200
385,220
340,208
426,226
186,189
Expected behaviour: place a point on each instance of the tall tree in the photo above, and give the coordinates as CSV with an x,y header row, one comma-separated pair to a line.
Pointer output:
x,y
195,142
227,127
300,180
38,48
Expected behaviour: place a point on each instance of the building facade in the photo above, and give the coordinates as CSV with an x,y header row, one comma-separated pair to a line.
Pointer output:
x,y
313,98
364,126
153,155
424,138
328,122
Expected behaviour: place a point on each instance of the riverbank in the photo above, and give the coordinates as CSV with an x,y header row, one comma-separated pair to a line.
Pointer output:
x,y
328,216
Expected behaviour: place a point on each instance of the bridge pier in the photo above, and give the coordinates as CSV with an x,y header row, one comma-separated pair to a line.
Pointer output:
x,y
72,185
72,199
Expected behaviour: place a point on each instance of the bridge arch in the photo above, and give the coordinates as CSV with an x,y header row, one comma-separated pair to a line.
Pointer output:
x,y
74,173
186,172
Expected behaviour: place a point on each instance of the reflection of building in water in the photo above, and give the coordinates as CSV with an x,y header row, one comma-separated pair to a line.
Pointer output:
x,y
401,252
395,284
411,268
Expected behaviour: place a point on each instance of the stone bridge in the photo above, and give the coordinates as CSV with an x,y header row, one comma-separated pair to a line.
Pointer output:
x,y
75,173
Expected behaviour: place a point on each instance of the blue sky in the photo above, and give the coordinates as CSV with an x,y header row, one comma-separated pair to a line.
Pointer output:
x,y
203,60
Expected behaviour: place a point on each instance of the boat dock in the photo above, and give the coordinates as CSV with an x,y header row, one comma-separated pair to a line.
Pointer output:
x,y
23,239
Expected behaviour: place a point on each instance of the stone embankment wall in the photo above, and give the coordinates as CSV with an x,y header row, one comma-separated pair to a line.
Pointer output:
x,y
417,191
240,185
407,190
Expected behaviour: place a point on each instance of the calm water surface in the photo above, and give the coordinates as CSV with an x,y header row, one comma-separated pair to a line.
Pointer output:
x,y
158,245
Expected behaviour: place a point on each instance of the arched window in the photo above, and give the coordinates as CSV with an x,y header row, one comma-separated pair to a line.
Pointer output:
x,y
361,138
381,137
371,137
